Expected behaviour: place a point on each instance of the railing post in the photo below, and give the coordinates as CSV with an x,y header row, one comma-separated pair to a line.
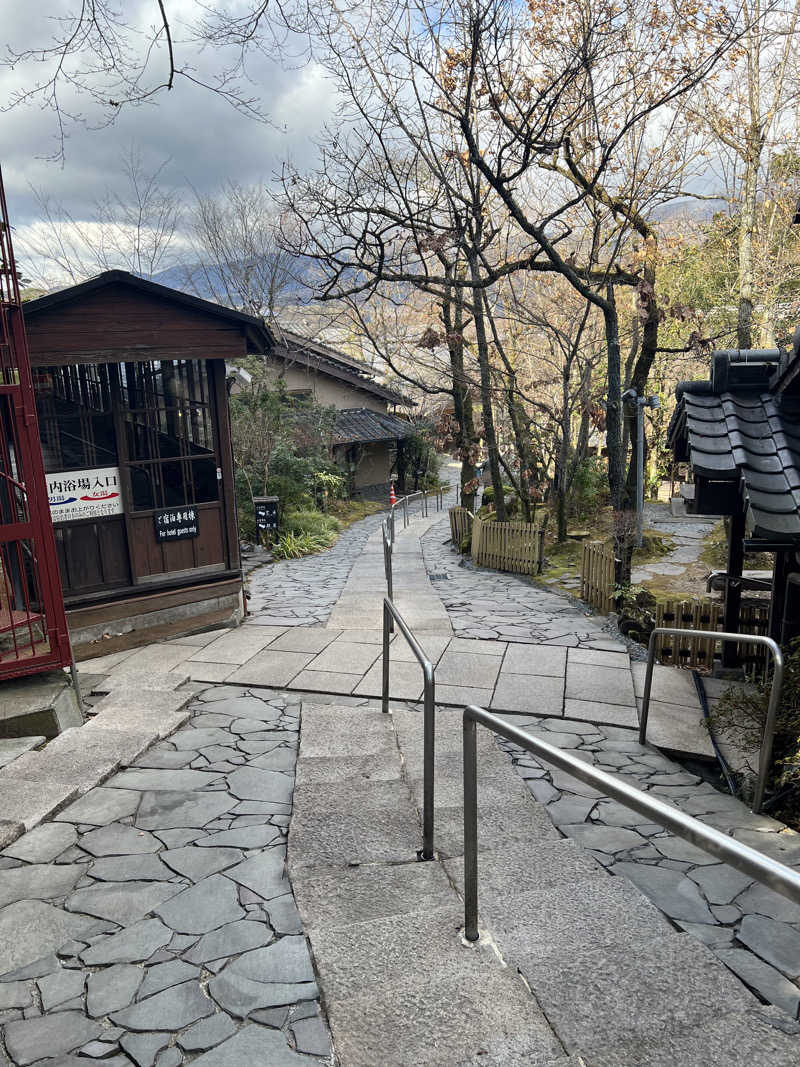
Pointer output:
x,y
648,685
385,689
429,742
470,829
405,512
769,729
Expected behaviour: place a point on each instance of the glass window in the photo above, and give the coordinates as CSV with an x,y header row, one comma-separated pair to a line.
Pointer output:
x,y
76,426
169,433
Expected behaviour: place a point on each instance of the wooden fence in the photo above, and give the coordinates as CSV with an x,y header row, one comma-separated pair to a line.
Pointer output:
x,y
597,575
698,653
460,524
508,546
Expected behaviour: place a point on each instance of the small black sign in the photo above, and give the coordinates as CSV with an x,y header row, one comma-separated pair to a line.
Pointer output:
x,y
266,512
176,524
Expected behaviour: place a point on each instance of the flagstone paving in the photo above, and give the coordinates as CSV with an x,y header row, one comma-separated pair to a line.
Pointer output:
x,y
152,920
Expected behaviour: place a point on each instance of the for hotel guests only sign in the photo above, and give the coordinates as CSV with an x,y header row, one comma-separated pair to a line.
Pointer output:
x,y
90,494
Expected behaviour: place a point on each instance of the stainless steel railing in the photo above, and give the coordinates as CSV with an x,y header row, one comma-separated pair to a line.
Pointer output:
x,y
388,545
390,615
423,494
748,860
765,754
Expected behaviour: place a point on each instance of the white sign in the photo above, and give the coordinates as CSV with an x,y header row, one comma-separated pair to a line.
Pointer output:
x,y
92,494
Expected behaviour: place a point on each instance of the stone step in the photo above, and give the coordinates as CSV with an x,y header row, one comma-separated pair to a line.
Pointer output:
x,y
675,720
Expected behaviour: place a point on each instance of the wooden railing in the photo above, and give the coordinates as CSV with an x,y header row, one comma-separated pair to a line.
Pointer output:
x,y
517,547
597,575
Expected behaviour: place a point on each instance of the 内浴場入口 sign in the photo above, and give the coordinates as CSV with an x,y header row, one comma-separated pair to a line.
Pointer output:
x,y
87,494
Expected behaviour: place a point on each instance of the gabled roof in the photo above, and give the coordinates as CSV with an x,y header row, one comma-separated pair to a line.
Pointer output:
x,y
322,358
360,425
259,338
741,430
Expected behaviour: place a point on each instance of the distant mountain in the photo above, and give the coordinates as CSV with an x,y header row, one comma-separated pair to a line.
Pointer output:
x,y
207,282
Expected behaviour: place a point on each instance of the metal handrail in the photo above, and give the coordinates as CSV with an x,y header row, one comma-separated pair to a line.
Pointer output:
x,y
388,546
390,613
774,693
748,860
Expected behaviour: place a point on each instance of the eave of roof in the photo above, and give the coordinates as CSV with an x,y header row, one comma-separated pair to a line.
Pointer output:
x,y
754,440
360,425
336,364
258,335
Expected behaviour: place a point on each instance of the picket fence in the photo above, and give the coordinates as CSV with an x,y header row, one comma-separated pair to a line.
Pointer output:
x,y
597,575
460,524
517,547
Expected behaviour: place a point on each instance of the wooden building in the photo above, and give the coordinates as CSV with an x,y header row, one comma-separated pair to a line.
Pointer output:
x,y
131,398
368,436
740,433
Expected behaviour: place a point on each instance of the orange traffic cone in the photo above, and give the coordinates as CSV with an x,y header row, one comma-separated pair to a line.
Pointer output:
x,y
392,497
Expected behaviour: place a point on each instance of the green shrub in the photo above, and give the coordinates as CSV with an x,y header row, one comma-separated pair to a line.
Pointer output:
x,y
589,490
295,545
316,523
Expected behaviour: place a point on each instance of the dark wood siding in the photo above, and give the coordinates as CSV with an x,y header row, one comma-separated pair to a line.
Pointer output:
x,y
93,555
119,323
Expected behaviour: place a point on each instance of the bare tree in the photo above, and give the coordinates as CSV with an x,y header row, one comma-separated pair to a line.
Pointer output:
x,y
134,229
750,109
237,257
98,52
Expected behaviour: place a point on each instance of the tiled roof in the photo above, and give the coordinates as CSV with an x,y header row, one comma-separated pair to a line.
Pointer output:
x,y
362,425
752,437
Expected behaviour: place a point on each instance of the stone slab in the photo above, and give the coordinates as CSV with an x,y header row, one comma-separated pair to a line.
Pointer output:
x,y
608,685
31,929
457,668
597,712
541,660
271,668
747,1037
405,681
529,693
338,896
48,1036
606,996
101,806
326,681
210,903
382,767
313,639
43,844
345,657
255,1044
236,646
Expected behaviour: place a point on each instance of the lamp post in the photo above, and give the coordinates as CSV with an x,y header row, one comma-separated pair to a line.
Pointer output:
x,y
632,397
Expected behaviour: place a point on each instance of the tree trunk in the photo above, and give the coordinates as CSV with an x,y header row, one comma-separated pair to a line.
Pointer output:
x,y
466,437
616,460
486,390
747,223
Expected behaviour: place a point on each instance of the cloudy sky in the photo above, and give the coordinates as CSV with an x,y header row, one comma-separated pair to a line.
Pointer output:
x,y
204,138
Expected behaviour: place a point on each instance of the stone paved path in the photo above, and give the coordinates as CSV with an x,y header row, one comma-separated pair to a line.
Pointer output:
x,y
687,531
152,921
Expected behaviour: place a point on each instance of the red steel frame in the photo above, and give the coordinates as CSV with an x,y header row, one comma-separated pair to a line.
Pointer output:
x,y
33,624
